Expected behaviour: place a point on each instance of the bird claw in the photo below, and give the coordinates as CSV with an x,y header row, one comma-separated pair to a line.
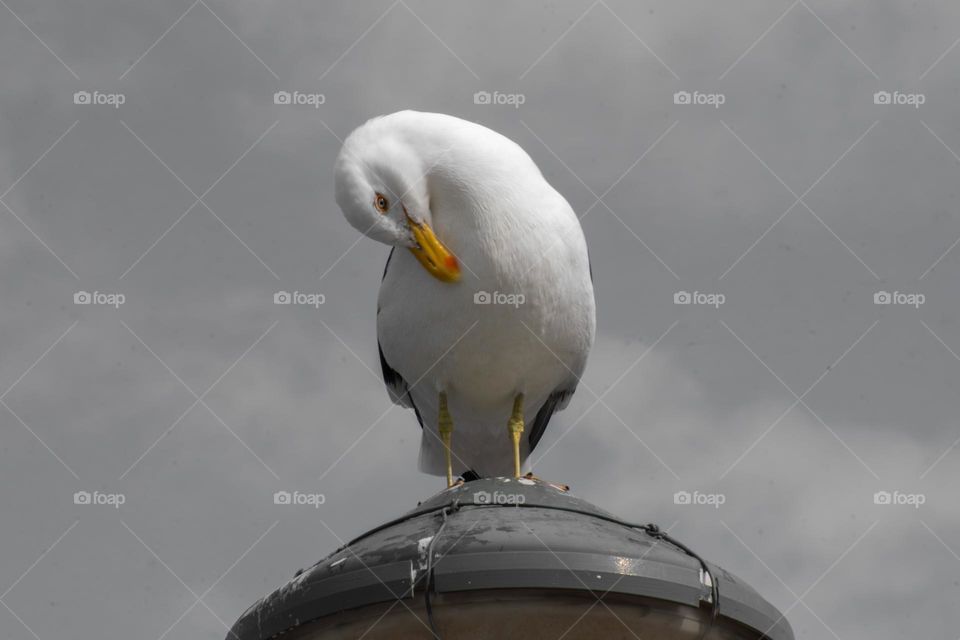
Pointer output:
x,y
565,488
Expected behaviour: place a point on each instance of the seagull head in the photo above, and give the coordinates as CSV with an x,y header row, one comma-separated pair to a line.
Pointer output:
x,y
382,189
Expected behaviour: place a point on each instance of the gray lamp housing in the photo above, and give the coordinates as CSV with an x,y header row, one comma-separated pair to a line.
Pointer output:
x,y
504,558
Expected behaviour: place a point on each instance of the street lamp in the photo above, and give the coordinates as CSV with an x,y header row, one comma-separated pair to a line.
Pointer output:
x,y
502,558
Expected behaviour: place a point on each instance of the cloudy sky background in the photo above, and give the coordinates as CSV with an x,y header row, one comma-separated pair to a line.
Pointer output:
x,y
797,199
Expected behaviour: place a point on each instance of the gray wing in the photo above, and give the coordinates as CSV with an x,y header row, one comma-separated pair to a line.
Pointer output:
x,y
556,401
397,387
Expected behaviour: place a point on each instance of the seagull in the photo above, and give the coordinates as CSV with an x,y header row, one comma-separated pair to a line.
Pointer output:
x,y
486,314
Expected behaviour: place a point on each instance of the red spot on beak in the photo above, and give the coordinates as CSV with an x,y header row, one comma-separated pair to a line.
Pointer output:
x,y
451,262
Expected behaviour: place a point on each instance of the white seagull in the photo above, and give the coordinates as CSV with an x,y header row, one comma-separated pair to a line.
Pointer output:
x,y
502,341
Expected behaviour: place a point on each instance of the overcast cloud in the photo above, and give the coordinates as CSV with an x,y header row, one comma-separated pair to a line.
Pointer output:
x,y
797,199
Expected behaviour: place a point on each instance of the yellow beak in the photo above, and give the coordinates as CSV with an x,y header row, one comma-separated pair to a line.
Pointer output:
x,y
430,252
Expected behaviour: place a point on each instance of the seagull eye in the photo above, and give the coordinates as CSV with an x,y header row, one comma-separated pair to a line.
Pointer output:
x,y
380,202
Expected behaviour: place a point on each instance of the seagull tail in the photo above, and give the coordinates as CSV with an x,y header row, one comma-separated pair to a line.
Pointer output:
x,y
490,460
432,460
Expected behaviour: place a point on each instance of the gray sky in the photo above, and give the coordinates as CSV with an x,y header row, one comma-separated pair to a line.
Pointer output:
x,y
797,199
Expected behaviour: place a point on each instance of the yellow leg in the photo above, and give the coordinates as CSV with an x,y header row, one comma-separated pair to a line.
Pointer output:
x,y
516,431
445,426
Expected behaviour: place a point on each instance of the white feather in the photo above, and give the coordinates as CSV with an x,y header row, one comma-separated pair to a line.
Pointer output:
x,y
514,235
